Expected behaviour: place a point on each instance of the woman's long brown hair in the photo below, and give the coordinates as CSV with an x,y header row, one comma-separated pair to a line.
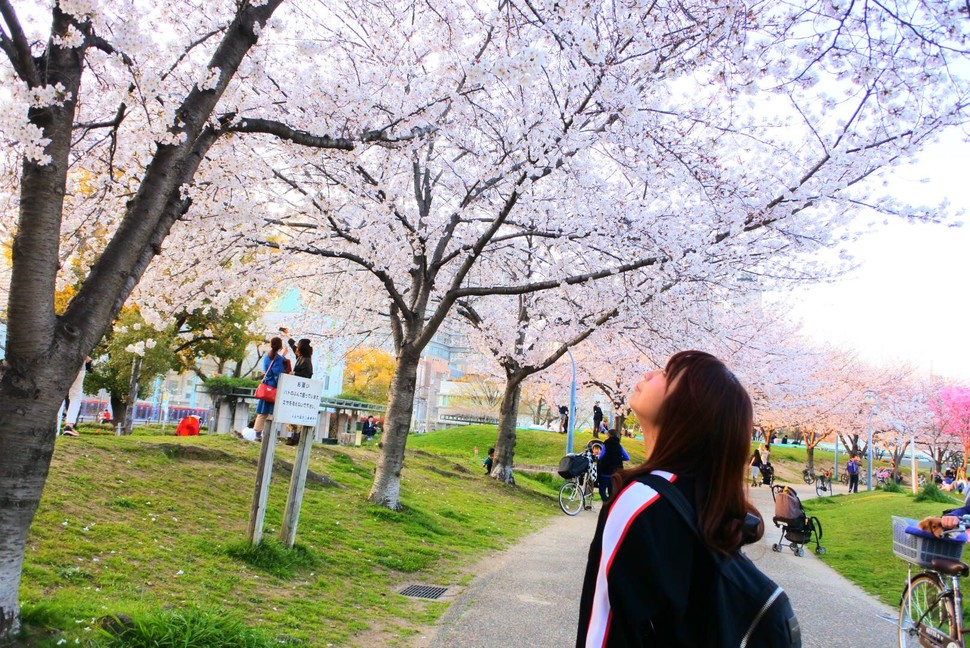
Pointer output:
x,y
275,346
705,426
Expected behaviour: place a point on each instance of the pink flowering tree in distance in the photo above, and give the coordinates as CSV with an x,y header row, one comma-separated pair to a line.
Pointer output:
x,y
954,415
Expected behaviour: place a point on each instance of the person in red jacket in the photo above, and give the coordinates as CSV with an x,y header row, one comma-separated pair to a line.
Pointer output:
x,y
189,426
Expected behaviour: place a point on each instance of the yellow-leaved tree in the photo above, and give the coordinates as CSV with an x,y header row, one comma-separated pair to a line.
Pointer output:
x,y
367,375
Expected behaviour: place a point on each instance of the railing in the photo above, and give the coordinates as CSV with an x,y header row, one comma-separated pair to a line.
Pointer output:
x,y
325,403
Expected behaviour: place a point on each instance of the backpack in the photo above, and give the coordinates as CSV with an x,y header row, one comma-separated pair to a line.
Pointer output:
x,y
852,468
573,465
749,609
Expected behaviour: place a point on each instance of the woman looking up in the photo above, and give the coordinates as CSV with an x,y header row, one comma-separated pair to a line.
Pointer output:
x,y
649,577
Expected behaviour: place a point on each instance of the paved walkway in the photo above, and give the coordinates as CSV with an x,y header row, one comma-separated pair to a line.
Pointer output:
x,y
528,596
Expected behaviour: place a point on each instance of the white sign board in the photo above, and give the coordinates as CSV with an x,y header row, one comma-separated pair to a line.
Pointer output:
x,y
297,400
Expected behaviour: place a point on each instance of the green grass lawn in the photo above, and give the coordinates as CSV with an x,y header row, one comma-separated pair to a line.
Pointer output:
x,y
532,447
127,525
858,537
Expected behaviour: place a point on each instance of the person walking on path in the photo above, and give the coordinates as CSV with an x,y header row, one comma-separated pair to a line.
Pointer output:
x,y
597,419
273,367
755,464
853,469
648,576
610,462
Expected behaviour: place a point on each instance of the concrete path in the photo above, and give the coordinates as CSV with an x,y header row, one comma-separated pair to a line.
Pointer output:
x,y
528,596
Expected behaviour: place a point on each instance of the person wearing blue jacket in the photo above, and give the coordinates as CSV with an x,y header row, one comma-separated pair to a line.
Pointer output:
x,y
273,367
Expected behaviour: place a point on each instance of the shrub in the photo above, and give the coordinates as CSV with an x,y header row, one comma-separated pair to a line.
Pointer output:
x,y
200,628
892,487
932,493
225,385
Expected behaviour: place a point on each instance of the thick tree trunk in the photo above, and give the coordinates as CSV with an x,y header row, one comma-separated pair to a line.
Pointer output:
x,y
386,490
505,444
119,409
810,457
25,453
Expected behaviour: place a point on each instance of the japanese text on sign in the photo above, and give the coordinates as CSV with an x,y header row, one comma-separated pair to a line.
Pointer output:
x,y
297,400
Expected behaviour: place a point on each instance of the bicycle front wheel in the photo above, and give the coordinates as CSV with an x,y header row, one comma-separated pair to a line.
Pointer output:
x,y
926,614
820,486
570,498
808,477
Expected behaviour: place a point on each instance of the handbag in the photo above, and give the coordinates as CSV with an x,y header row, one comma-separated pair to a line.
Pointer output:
x,y
266,393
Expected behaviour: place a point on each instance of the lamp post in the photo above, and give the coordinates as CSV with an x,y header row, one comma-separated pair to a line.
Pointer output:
x,y
873,399
572,406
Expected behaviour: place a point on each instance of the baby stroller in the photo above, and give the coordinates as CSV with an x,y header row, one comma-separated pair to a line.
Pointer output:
x,y
796,527
767,474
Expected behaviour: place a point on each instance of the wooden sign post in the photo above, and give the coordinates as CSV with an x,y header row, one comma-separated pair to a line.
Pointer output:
x,y
298,402
264,472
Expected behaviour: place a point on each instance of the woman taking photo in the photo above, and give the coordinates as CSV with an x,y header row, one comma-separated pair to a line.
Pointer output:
x,y
649,578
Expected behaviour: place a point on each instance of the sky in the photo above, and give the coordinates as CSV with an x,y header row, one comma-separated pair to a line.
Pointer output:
x,y
909,299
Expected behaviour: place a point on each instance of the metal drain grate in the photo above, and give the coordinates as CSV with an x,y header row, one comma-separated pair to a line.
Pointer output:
x,y
423,591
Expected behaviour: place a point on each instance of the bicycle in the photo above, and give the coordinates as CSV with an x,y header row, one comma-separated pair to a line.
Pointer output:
x,y
577,493
823,483
930,609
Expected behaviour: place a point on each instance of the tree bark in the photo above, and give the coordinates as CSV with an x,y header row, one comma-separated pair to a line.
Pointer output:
x,y
45,351
25,453
119,409
132,396
386,490
810,457
505,444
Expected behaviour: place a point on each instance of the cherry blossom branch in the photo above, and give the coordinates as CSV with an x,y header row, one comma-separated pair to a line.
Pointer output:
x,y
17,47
554,283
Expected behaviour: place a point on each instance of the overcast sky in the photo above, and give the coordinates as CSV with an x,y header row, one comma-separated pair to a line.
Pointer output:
x,y
910,297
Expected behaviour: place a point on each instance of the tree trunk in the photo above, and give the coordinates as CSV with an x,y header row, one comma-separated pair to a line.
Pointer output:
x,y
26,448
386,490
119,409
132,395
505,444
810,457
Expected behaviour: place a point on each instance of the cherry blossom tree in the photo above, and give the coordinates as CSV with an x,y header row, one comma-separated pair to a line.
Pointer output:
x,y
567,131
140,136
954,415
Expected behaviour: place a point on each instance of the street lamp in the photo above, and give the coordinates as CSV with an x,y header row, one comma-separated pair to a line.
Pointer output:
x,y
873,399
572,406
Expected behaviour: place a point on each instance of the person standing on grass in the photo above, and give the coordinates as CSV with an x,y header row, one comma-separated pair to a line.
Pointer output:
x,y
853,469
273,367
489,461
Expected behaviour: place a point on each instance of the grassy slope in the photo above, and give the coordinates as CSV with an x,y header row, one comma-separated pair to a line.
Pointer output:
x,y
858,537
125,528
532,447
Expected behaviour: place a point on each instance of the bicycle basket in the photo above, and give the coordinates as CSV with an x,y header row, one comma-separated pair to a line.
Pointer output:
x,y
914,545
573,465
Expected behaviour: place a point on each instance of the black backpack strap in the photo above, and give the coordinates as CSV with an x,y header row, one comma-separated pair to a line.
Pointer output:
x,y
674,497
